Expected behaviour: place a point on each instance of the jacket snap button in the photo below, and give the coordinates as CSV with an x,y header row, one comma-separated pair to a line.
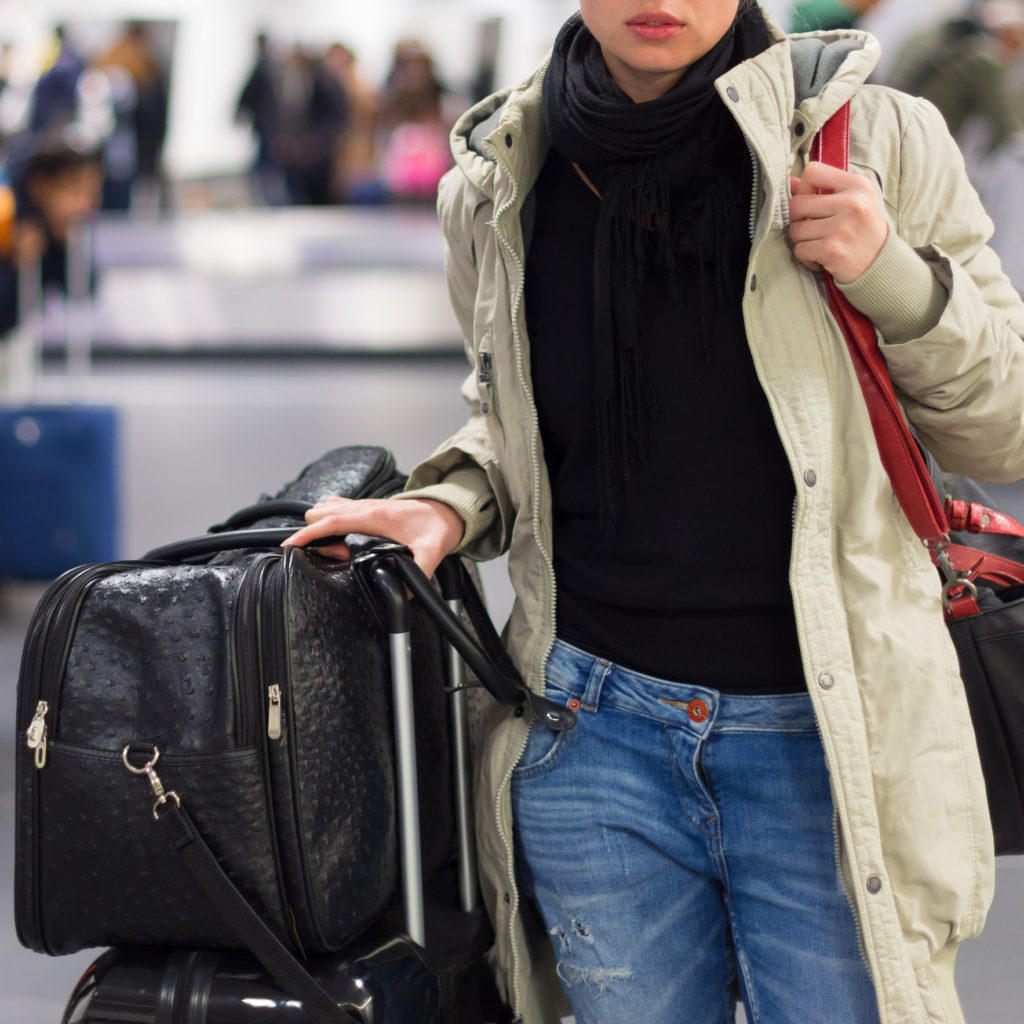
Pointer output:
x,y
698,710
810,478
825,681
732,94
508,898
508,141
874,884
799,129
753,283
485,408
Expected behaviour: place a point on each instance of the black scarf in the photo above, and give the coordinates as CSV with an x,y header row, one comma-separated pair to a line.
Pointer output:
x,y
665,171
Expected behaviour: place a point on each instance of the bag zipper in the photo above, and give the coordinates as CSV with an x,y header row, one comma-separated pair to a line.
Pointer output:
x,y
49,645
272,647
269,679
43,660
247,628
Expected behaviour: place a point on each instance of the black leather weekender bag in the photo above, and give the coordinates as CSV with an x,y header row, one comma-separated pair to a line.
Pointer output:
x,y
253,683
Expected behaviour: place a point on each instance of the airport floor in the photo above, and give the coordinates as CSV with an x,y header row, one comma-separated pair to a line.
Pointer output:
x,y
201,437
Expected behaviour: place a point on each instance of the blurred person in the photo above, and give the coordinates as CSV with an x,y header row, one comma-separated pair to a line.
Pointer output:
x,y
414,152
55,97
412,89
60,184
313,111
962,66
486,60
825,15
297,111
355,158
772,789
133,54
257,104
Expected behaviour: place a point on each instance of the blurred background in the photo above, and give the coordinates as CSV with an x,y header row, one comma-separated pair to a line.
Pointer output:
x,y
219,258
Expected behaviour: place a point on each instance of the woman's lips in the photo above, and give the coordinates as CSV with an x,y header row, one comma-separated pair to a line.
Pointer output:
x,y
654,27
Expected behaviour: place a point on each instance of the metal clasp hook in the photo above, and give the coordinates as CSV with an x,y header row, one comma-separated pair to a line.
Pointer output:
x,y
149,770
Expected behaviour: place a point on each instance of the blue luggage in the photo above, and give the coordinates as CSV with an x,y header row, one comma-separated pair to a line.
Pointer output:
x,y
58,489
58,458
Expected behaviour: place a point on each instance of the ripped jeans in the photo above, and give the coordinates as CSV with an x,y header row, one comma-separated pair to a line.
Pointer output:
x,y
679,846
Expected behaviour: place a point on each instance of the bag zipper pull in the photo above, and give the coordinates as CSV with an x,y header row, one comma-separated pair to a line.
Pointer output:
x,y
274,712
35,735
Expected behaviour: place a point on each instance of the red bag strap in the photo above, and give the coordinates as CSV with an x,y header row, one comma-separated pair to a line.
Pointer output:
x,y
900,455
975,518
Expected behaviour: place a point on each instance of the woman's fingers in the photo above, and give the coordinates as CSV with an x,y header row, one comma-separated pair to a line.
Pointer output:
x,y
430,529
836,221
338,517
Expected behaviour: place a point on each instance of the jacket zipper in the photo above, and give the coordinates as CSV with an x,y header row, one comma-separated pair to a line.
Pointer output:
x,y
549,579
861,945
755,188
858,927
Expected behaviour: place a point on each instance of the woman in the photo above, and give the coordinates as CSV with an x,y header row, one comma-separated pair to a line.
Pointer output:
x,y
772,786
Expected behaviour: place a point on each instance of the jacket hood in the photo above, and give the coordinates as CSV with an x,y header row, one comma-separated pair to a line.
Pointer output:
x,y
813,72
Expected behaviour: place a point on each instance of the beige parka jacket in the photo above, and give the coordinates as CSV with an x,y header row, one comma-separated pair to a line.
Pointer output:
x,y
912,830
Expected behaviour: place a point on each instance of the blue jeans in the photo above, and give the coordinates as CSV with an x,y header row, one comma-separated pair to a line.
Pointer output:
x,y
679,845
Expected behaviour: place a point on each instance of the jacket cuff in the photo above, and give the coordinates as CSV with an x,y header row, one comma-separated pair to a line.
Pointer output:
x,y
899,293
464,491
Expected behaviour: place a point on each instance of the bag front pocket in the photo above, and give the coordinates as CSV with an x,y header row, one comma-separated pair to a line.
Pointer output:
x,y
103,871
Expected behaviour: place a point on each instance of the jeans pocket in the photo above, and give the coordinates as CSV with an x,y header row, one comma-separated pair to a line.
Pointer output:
x,y
544,746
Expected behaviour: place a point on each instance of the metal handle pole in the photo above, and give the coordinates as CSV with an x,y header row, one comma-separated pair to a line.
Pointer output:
x,y
408,790
461,764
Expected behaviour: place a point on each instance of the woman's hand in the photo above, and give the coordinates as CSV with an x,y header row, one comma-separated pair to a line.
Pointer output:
x,y
430,529
841,230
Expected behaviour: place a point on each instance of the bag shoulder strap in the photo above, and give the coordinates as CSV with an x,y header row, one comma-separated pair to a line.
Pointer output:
x,y
901,458
900,455
317,1004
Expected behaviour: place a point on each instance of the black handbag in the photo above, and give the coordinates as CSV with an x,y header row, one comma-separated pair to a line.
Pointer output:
x,y
235,692
978,550
990,646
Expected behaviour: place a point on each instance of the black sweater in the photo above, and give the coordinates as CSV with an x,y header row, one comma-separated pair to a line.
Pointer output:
x,y
693,587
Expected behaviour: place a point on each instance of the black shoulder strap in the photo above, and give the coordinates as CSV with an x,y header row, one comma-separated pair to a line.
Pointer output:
x,y
244,921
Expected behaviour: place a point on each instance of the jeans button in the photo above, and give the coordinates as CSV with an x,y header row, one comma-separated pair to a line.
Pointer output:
x,y
698,710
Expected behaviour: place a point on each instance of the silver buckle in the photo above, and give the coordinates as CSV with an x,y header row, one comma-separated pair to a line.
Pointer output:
x,y
149,770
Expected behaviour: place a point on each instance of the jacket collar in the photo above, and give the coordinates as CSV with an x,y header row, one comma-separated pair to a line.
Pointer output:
x,y
500,143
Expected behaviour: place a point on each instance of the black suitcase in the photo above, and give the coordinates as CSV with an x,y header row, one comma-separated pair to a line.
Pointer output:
x,y
383,978
424,961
